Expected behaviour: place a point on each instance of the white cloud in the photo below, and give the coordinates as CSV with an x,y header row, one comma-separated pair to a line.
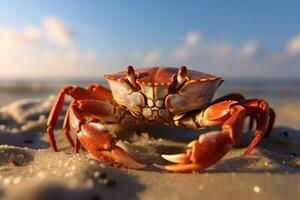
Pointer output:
x,y
72,58
24,53
90,55
193,38
32,33
152,57
12,38
40,63
293,46
53,31
136,54
223,50
249,49
181,54
58,32
184,52
223,58
8,37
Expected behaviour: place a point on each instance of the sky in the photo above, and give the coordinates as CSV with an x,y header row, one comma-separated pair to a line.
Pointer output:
x,y
82,39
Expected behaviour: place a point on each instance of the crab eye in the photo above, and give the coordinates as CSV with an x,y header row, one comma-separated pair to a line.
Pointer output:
x,y
130,70
182,71
131,76
181,77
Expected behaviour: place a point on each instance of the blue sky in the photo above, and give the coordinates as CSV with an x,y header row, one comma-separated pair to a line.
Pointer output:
x,y
87,38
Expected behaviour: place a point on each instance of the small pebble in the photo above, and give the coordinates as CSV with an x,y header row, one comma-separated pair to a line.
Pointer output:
x,y
28,141
102,165
103,175
96,174
92,162
41,174
90,183
20,156
201,187
17,180
69,174
256,189
293,154
285,134
15,163
109,182
7,180
268,174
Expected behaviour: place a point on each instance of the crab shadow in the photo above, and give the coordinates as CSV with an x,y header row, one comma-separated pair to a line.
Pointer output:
x,y
122,186
126,187
28,139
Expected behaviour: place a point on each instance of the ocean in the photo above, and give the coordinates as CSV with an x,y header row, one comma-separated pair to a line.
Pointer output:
x,y
273,90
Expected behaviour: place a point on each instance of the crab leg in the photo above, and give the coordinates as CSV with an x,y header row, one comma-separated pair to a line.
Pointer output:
x,y
211,146
66,127
262,109
106,93
272,117
230,96
252,116
102,91
97,139
77,93
236,97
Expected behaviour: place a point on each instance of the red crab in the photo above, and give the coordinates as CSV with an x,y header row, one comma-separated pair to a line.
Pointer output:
x,y
176,97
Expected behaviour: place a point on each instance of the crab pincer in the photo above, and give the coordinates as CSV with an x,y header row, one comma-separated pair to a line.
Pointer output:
x,y
211,146
200,154
98,141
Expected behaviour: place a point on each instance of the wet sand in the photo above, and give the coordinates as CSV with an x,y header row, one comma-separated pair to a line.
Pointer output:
x,y
29,169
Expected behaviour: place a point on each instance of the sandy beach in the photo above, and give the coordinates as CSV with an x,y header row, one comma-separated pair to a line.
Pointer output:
x,y
165,62
30,170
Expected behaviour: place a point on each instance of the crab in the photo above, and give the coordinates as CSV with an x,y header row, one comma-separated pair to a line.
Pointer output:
x,y
170,96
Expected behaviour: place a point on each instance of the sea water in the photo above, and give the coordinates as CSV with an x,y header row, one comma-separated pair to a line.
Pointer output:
x,y
273,90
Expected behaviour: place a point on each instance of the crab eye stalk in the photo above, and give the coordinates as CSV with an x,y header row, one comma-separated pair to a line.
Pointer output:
x,y
181,77
131,76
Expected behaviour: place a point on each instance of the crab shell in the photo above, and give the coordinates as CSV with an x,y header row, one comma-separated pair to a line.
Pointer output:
x,y
152,95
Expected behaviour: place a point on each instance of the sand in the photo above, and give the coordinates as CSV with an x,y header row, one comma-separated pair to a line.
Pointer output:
x,y
30,170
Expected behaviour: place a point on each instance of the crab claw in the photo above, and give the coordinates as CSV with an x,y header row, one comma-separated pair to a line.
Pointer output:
x,y
118,157
201,153
177,158
97,140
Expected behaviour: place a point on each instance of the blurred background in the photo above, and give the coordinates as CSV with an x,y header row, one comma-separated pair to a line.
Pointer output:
x,y
254,45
